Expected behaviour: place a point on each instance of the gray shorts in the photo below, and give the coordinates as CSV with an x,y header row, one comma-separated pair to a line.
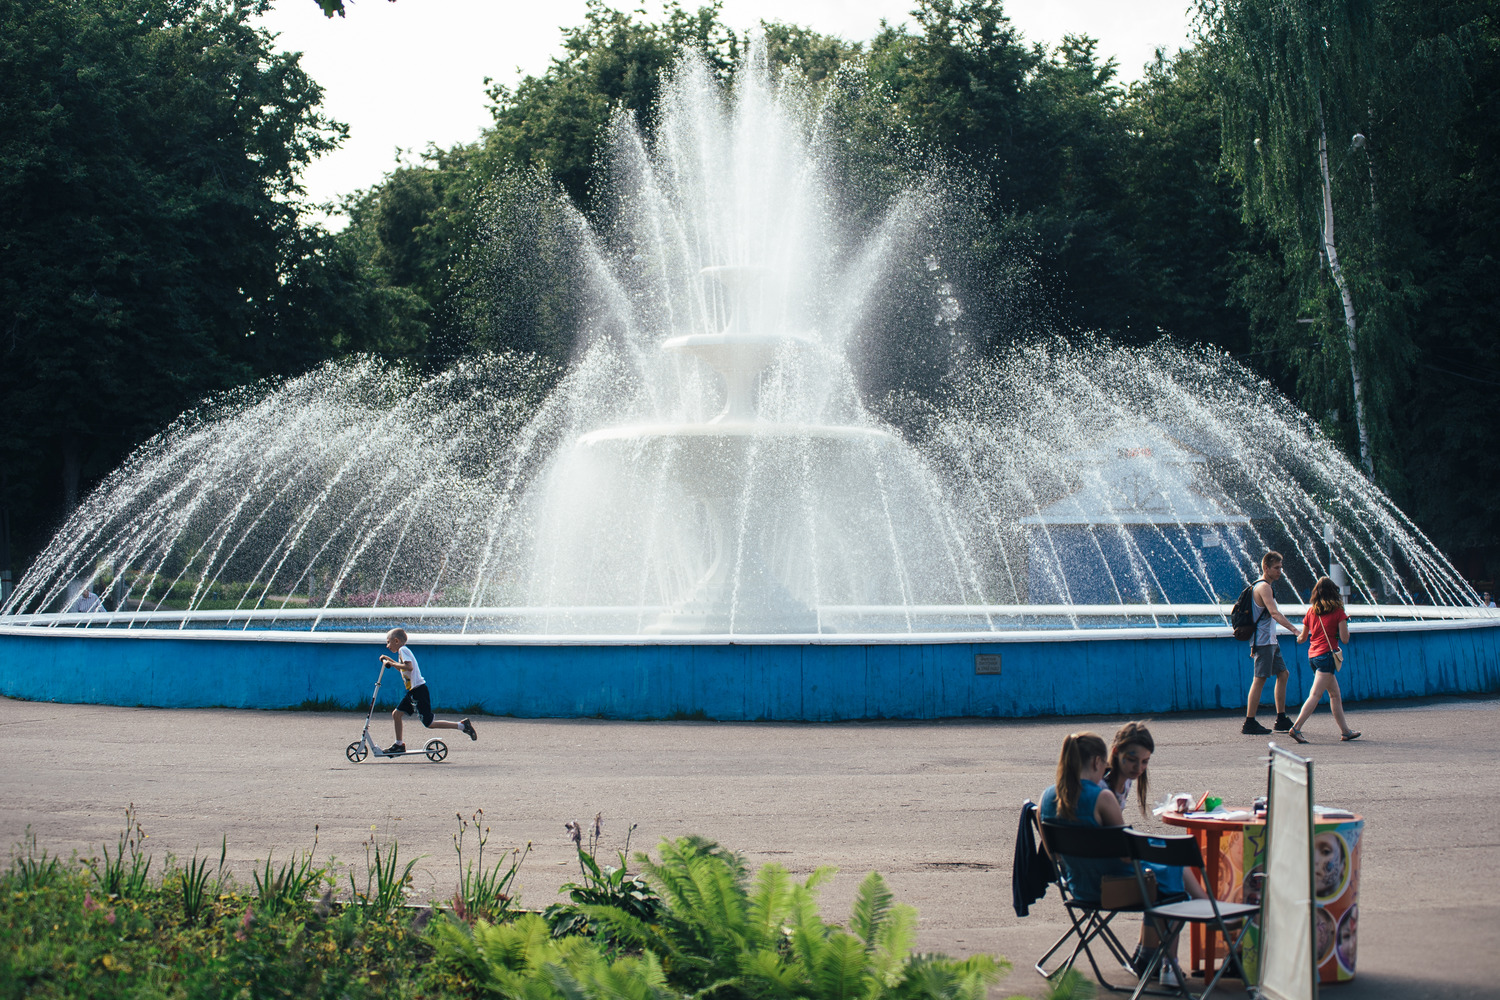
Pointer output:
x,y
1268,661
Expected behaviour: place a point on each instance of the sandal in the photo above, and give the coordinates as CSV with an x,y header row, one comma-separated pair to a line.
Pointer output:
x,y
1351,735
1296,734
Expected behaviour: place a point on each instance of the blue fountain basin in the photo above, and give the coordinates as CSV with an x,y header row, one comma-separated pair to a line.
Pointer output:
x,y
1023,672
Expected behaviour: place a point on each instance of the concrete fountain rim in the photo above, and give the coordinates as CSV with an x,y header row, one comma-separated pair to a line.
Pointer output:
x,y
152,625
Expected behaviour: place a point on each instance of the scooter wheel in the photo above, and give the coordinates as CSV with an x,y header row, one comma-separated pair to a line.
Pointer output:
x,y
436,750
357,751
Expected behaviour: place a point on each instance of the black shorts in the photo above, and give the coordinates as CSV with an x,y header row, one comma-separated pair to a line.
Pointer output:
x,y
417,702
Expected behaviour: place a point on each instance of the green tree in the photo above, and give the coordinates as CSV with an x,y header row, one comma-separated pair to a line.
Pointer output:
x,y
150,247
480,239
1296,72
1178,211
1353,128
556,122
1447,219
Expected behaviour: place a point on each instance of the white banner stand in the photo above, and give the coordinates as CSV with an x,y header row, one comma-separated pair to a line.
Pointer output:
x,y
1287,918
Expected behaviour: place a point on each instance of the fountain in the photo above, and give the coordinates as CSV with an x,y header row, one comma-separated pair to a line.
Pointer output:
x,y
705,515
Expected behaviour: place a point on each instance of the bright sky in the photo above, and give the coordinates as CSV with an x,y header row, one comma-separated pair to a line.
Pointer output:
x,y
411,73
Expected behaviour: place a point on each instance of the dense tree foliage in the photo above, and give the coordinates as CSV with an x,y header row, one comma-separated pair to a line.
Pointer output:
x,y
1359,134
153,251
150,247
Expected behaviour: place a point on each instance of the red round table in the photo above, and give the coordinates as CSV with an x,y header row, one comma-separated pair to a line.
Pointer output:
x,y
1211,834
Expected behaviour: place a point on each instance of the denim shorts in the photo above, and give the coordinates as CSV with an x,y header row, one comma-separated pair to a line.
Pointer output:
x,y
1323,663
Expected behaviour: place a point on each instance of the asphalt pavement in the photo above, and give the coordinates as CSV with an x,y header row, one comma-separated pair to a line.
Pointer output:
x,y
932,806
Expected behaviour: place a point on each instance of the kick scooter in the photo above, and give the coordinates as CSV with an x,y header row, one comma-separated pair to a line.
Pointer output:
x,y
435,749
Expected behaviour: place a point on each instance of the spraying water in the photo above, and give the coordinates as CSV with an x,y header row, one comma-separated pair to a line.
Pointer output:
x,y
708,464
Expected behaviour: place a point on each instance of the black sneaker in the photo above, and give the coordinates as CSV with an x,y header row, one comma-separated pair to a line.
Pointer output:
x,y
395,749
1283,724
1141,959
468,727
1254,728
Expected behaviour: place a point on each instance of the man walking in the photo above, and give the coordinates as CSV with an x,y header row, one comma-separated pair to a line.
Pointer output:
x,y
1264,649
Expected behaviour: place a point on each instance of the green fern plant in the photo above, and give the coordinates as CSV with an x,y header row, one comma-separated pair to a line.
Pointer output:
x,y
521,960
1071,985
722,933
718,935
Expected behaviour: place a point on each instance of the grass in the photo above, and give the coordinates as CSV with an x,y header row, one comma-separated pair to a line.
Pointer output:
x,y
317,705
112,874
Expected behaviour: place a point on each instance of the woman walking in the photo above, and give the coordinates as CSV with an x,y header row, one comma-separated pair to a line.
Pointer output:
x,y
1325,627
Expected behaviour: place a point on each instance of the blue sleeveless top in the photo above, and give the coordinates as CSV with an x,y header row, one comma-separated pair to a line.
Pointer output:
x,y
1082,874
1088,801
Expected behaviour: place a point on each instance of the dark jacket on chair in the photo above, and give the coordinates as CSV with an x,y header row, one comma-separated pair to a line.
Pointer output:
x,y
1031,871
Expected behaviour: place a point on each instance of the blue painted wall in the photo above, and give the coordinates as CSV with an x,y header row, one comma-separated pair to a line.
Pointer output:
x,y
1157,671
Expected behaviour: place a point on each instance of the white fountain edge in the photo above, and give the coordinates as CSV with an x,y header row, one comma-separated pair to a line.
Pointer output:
x,y
31,625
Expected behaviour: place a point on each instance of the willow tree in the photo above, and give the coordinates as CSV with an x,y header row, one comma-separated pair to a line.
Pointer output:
x,y
1298,80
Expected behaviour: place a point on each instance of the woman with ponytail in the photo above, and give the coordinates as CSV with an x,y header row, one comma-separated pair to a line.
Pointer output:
x,y
1076,799
1080,798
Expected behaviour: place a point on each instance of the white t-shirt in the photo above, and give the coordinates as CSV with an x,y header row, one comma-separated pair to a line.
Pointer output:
x,y
1124,793
413,679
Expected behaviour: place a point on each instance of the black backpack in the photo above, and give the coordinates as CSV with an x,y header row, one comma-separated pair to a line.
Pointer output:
x,y
1242,616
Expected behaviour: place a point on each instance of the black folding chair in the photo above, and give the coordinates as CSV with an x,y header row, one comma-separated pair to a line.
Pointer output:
x,y
1090,920
1170,918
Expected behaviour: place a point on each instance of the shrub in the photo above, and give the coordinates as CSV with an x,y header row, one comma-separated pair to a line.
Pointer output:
x,y
693,923
717,932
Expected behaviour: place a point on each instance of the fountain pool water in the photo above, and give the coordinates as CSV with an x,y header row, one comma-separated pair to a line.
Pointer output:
x,y
705,514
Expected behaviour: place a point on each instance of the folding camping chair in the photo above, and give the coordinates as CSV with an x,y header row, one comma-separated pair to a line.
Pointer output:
x,y
1170,918
1090,921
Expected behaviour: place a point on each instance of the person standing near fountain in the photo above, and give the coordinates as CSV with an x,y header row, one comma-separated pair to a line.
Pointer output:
x,y
418,699
1265,651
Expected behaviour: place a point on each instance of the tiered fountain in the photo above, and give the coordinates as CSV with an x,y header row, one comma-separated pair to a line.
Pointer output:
x,y
739,591
703,516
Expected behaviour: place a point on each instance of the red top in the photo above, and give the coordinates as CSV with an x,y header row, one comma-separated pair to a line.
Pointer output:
x,y
1322,630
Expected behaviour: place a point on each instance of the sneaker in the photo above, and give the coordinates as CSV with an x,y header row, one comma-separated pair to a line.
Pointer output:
x,y
468,727
1283,724
1254,728
1141,959
394,749
1169,978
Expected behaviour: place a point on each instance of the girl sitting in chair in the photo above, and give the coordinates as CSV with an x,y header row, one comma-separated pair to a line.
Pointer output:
x,y
1081,798
1128,756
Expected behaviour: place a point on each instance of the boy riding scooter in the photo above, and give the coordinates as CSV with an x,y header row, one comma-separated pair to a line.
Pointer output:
x,y
418,700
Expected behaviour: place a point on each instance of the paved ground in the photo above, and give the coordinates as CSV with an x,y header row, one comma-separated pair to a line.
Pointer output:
x,y
932,806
